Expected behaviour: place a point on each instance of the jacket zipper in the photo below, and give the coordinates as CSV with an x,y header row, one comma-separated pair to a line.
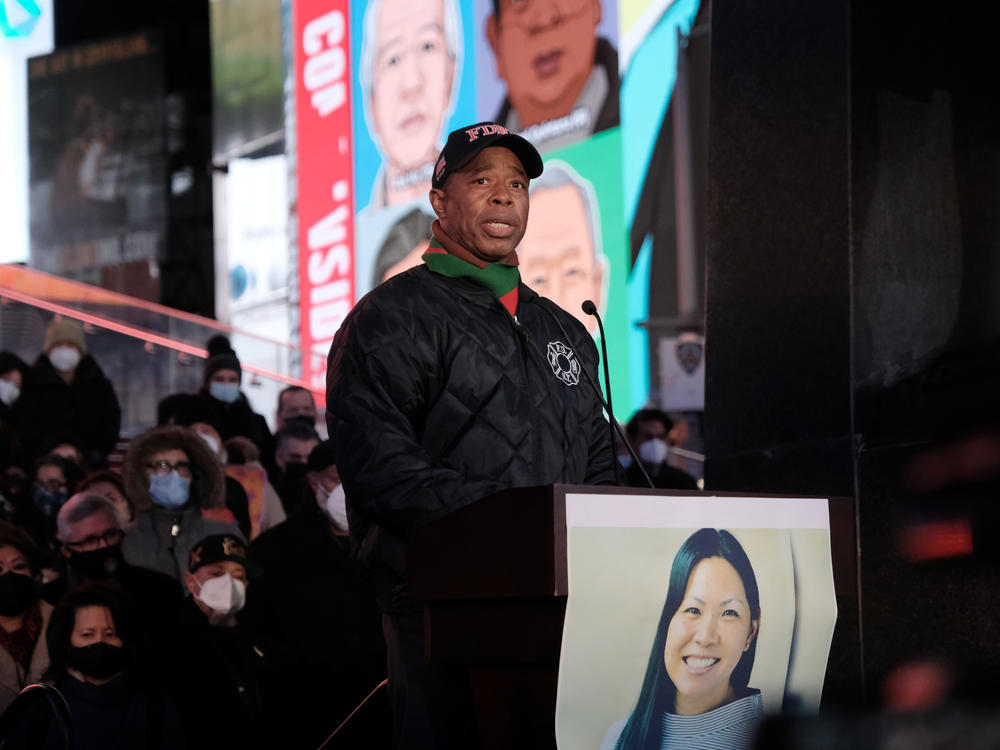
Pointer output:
x,y
525,341
522,337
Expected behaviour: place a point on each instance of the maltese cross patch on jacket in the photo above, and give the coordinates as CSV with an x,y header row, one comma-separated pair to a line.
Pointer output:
x,y
564,363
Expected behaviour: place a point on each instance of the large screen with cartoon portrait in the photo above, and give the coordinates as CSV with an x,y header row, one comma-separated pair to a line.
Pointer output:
x,y
380,84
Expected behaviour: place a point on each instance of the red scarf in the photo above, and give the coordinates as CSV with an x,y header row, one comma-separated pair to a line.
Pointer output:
x,y
21,643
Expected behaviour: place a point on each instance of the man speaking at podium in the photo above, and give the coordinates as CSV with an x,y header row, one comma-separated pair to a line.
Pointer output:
x,y
447,383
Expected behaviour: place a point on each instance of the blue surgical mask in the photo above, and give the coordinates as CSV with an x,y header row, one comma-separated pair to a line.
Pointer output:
x,y
169,490
225,392
49,502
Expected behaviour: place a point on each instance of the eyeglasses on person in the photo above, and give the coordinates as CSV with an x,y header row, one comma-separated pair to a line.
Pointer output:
x,y
110,538
165,467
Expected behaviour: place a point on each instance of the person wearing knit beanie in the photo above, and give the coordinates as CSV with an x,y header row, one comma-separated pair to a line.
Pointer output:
x,y
64,331
69,392
224,361
221,356
224,405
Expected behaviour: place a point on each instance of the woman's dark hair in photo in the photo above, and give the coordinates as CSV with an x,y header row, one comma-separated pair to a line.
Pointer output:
x,y
63,620
642,730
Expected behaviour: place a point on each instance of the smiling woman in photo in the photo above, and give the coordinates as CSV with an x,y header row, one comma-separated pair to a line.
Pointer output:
x,y
695,694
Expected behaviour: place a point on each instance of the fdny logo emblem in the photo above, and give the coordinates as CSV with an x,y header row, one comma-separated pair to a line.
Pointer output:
x,y
564,363
490,128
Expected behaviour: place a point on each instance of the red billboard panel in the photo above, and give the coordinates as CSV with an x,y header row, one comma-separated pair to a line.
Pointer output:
x,y
325,181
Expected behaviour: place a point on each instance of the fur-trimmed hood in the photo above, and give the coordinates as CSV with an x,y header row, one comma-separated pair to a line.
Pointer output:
x,y
208,486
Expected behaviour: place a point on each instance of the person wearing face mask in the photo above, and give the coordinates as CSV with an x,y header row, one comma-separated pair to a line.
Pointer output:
x,y
223,404
13,375
112,704
227,680
67,390
338,633
13,459
293,445
52,480
296,405
90,535
23,617
177,487
649,432
249,497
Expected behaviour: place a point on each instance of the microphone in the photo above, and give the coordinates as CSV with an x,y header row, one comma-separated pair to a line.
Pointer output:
x,y
590,308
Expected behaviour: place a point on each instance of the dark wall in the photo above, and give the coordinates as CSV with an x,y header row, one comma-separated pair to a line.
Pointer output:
x,y
187,268
852,317
778,319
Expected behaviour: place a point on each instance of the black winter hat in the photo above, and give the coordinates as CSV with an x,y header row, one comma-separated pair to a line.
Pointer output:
x,y
218,548
221,356
10,362
322,456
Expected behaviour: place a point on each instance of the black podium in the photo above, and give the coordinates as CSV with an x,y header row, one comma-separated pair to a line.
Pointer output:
x,y
493,579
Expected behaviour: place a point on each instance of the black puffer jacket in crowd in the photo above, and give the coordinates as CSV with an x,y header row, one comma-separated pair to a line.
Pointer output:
x,y
87,407
436,397
235,419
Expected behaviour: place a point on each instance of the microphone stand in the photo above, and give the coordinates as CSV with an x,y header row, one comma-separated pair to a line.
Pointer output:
x,y
591,309
607,407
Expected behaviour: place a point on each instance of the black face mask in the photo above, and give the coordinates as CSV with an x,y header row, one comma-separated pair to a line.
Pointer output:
x,y
49,502
97,564
98,660
293,477
17,593
303,419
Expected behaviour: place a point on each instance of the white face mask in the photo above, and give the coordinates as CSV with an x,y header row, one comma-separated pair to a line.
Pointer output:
x,y
64,358
653,451
223,594
334,504
8,392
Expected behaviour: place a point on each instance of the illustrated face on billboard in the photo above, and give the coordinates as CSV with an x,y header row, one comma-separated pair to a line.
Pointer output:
x,y
414,258
558,256
403,246
545,53
411,79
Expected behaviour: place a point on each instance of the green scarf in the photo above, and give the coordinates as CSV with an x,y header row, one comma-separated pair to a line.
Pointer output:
x,y
498,278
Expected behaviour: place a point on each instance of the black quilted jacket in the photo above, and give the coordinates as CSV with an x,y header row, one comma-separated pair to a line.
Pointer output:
x,y
436,398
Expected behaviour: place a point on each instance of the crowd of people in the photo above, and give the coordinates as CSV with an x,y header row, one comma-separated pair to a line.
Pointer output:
x,y
202,585
197,590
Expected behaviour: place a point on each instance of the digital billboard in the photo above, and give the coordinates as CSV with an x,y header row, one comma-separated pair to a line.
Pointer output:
x,y
378,87
98,163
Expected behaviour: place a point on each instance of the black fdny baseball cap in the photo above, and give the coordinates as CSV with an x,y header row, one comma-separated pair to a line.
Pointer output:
x,y
221,547
463,145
